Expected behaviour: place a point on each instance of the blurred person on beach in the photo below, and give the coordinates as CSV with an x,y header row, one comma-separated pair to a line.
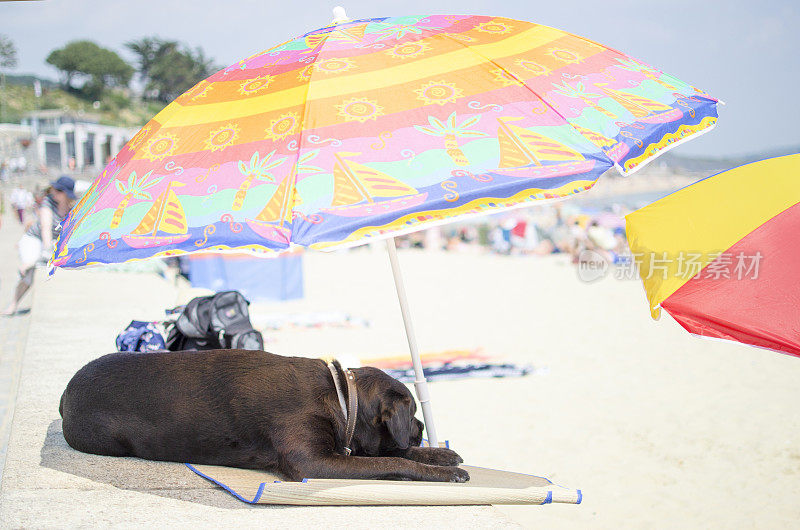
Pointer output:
x,y
462,239
37,243
578,238
517,238
500,237
21,199
602,240
18,165
39,195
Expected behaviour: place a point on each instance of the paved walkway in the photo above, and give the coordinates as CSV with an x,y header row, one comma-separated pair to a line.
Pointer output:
x,y
13,331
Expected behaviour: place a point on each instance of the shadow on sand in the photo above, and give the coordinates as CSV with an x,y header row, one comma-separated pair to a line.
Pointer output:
x,y
164,479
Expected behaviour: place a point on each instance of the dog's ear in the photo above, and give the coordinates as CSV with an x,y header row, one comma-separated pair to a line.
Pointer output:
x,y
396,415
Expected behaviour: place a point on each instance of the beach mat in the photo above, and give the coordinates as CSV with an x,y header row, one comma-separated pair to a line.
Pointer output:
x,y
486,486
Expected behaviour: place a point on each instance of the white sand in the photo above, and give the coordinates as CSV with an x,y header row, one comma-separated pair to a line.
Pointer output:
x,y
658,428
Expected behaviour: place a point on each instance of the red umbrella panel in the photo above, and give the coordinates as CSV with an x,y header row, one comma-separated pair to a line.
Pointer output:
x,y
722,257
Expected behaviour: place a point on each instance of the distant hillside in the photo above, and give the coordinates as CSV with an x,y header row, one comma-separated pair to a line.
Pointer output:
x,y
28,79
713,165
116,107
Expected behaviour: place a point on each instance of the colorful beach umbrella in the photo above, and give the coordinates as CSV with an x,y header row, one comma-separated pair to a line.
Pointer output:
x,y
367,129
721,256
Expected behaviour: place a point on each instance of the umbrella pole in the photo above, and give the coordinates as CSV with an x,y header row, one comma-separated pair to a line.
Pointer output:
x,y
420,384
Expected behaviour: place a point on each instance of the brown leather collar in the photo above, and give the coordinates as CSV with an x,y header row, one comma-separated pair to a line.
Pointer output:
x,y
350,409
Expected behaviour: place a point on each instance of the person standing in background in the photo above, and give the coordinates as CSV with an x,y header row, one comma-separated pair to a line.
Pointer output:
x,y
37,243
21,200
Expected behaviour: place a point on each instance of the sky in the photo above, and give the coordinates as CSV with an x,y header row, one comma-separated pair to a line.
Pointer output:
x,y
745,53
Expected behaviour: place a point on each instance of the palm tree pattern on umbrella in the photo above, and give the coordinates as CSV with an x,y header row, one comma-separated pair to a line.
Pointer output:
x,y
133,189
257,168
579,92
451,131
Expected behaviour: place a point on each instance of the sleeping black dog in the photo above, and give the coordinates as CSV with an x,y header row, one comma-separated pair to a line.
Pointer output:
x,y
254,410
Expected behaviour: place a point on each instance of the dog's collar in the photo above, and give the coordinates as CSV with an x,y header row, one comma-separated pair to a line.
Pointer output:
x,y
350,406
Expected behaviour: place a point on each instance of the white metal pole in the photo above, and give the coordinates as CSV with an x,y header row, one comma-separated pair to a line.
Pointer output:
x,y
420,384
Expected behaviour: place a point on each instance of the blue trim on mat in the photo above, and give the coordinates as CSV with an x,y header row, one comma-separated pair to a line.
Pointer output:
x,y
260,492
446,443
229,490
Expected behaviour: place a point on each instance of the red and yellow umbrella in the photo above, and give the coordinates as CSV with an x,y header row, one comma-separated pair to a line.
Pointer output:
x,y
721,256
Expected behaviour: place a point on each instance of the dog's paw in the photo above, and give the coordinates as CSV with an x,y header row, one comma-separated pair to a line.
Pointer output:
x,y
457,475
441,456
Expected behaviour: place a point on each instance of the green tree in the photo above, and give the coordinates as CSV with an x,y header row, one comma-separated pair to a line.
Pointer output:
x,y
149,51
8,61
177,70
8,53
98,67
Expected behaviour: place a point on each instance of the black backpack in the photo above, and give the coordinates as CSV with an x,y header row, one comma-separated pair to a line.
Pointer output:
x,y
214,322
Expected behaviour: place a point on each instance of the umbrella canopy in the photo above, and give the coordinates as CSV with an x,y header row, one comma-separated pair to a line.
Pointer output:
x,y
367,129
721,255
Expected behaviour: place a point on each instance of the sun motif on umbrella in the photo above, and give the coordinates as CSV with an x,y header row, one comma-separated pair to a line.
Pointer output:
x,y
200,90
161,146
304,74
360,109
439,93
283,126
334,66
505,78
409,50
494,26
534,68
223,137
566,56
252,86
139,137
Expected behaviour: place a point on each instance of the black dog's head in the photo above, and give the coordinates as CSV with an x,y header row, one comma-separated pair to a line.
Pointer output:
x,y
386,409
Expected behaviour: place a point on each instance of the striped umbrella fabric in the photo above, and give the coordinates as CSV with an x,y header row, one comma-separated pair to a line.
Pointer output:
x,y
367,129
721,256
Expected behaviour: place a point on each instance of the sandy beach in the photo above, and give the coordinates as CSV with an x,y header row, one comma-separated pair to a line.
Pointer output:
x,y
658,429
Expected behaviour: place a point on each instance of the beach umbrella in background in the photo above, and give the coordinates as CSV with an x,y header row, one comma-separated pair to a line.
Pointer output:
x,y
366,129
721,256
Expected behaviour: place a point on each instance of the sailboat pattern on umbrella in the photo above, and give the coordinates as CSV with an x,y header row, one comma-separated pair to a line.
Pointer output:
x,y
356,188
274,221
521,147
377,127
163,224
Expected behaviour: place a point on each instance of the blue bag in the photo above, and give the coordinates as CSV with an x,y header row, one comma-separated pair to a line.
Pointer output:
x,y
141,337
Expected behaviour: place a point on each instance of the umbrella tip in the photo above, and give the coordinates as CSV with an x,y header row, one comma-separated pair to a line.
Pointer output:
x,y
339,15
